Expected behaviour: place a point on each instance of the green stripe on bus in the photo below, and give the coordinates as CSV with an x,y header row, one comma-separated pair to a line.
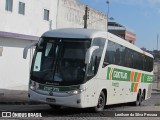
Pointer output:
x,y
142,77
148,78
119,75
124,75
132,87
108,72
135,76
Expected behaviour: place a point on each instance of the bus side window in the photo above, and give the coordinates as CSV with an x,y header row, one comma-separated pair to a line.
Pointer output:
x,y
96,57
91,67
119,55
110,54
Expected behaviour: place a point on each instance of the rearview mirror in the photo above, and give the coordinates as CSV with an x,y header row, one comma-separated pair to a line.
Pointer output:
x,y
89,53
25,51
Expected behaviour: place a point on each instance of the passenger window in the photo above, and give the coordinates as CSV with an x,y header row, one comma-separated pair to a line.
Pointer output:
x,y
119,55
110,54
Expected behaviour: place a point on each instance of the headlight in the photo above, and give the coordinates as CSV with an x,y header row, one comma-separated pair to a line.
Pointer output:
x,y
78,91
33,85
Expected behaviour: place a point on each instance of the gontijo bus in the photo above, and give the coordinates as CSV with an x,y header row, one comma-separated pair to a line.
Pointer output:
x,y
88,68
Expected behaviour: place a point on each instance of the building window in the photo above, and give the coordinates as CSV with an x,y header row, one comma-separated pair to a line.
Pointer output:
x,y
21,8
9,5
46,14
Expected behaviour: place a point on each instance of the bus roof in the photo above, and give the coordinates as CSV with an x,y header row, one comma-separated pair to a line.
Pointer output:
x,y
82,33
72,33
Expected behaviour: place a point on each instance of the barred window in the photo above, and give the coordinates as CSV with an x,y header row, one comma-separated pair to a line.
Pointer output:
x,y
9,5
21,8
46,14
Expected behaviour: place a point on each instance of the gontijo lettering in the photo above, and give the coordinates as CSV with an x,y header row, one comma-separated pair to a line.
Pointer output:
x,y
117,74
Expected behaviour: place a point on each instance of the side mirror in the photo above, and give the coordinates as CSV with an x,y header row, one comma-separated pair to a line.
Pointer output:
x,y
89,53
25,51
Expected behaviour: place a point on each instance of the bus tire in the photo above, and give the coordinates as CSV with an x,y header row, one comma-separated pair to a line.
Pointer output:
x,y
142,98
138,100
143,95
55,107
101,103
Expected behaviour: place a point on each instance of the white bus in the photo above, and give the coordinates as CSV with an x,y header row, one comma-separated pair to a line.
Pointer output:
x,y
88,68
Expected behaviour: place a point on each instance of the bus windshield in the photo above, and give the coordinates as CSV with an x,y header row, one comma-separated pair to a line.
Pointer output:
x,y
60,61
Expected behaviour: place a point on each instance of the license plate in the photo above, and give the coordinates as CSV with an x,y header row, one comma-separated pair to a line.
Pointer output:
x,y
50,100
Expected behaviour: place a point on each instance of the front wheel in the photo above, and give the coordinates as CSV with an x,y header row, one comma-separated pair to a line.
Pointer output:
x,y
101,103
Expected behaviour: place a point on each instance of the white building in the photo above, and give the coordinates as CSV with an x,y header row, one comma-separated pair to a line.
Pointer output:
x,y
21,22
71,12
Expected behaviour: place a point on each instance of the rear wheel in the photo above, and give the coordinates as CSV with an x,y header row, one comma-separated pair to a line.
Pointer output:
x,y
143,96
101,103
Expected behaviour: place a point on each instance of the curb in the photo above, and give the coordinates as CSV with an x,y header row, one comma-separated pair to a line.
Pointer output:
x,y
154,93
20,103
158,90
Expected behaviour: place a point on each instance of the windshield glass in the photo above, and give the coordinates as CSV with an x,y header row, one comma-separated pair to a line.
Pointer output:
x,y
60,61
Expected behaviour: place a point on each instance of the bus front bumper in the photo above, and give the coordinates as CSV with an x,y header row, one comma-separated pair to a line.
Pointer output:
x,y
69,101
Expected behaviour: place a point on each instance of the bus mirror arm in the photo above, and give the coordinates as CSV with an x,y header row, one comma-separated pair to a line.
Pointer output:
x,y
89,54
25,51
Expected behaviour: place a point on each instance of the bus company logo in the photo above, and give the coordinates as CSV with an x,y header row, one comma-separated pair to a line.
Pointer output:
x,y
120,75
6,114
51,93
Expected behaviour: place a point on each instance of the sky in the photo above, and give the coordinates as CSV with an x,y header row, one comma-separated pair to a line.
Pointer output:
x,y
139,16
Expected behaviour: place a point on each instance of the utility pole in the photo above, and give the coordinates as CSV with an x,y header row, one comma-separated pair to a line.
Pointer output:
x,y
86,16
108,8
157,41
107,13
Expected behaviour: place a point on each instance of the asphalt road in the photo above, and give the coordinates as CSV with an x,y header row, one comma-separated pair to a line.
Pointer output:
x,y
72,113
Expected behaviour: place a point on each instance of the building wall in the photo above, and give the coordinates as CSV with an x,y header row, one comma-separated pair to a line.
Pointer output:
x,y
13,68
131,37
32,23
128,36
156,70
28,28
71,12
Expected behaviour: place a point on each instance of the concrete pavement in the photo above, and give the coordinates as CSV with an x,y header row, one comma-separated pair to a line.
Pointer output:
x,y
13,97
